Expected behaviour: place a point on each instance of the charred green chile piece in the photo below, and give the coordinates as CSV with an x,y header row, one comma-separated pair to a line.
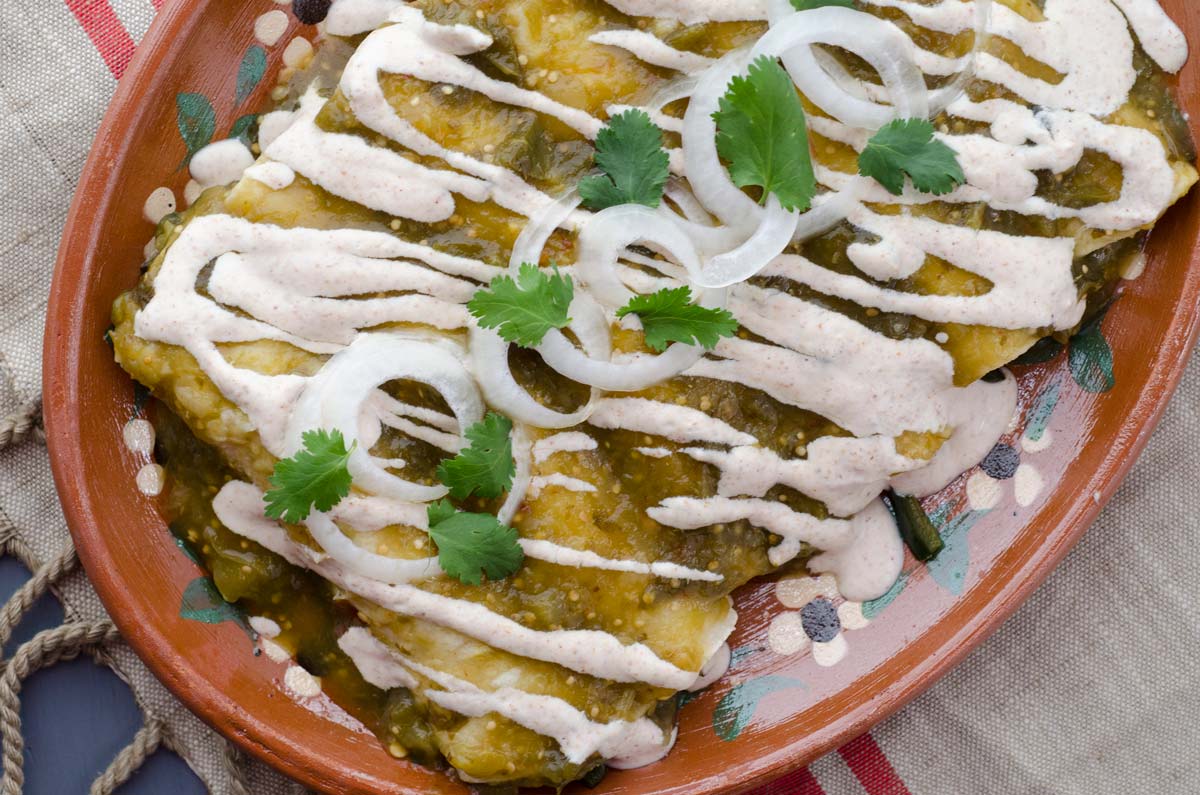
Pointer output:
x,y
593,777
916,529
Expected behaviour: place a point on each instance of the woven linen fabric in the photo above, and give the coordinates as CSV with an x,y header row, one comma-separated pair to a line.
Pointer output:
x,y
1090,688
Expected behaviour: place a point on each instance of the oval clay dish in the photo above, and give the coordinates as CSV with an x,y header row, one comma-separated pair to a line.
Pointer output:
x,y
1085,414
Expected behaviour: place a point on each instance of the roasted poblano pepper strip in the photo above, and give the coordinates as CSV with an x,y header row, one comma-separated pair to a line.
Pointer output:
x,y
916,529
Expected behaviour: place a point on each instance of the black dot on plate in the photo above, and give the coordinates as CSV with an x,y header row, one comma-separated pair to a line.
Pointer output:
x,y
310,12
820,620
1001,463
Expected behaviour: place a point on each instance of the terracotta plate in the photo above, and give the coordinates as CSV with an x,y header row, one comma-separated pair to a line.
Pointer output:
x,y
1087,411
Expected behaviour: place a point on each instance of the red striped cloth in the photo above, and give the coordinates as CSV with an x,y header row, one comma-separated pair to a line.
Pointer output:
x,y
863,756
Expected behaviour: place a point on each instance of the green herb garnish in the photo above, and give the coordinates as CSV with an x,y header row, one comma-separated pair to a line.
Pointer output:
x,y
762,135
629,151
315,477
486,466
522,311
670,316
907,147
470,543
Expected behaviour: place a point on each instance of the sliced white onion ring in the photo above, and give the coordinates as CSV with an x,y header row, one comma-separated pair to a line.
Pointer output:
x,y
489,361
542,224
334,399
877,41
638,372
522,447
632,373
677,191
768,242
610,231
489,352
673,92
706,174
828,209
368,564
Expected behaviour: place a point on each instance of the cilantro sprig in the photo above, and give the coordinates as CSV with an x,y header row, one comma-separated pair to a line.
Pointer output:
x,y
808,5
906,147
316,477
763,136
629,151
486,466
670,316
471,543
522,311
467,542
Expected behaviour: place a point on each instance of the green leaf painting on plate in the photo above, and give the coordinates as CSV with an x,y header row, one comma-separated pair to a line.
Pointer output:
x,y
949,568
185,546
243,127
1039,413
197,122
736,708
874,607
741,654
1090,358
254,64
736,657
203,602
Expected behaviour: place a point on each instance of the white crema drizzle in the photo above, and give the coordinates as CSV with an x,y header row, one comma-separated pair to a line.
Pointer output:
x,y
578,735
305,287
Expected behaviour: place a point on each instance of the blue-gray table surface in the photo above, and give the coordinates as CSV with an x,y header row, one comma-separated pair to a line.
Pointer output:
x,y
78,715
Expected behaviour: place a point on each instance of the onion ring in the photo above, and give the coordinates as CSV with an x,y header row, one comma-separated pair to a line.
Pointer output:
x,y
334,399
879,42
369,564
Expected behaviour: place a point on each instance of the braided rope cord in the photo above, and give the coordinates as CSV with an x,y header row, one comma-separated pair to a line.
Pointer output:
x,y
47,648
63,643
22,424
131,757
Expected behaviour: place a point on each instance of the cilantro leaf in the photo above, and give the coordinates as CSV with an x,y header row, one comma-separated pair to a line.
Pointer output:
x,y
762,134
470,542
907,146
629,151
808,5
522,311
316,477
670,316
485,467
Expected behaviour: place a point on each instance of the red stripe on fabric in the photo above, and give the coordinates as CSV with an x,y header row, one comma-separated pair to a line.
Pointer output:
x,y
104,28
798,782
871,767
157,4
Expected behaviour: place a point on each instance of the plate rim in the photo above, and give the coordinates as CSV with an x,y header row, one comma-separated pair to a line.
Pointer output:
x,y
61,391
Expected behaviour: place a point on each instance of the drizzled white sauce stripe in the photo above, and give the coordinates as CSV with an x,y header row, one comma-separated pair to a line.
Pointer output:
x,y
565,442
693,12
677,423
239,506
540,482
582,558
349,166
578,736
652,50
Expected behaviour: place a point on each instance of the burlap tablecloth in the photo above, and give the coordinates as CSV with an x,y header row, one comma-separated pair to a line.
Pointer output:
x,y
1093,687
